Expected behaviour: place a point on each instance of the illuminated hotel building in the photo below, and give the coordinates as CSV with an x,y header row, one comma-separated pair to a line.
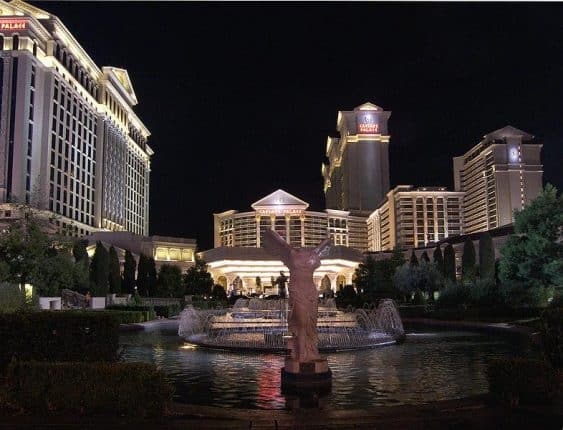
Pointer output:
x,y
70,143
499,175
412,218
289,216
237,260
356,177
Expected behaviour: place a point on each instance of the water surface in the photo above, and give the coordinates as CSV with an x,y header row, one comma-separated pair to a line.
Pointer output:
x,y
431,365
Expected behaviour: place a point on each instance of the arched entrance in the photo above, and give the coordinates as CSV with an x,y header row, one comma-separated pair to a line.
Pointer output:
x,y
340,282
326,289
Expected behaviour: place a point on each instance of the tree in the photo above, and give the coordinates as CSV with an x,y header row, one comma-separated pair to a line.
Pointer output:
x,y
169,282
468,269
151,276
143,276
197,279
56,273
532,258
423,277
449,263
81,276
486,257
218,293
424,257
24,248
438,259
375,277
366,276
413,261
129,268
114,272
99,270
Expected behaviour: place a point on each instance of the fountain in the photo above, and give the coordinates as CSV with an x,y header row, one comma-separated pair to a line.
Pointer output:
x,y
261,325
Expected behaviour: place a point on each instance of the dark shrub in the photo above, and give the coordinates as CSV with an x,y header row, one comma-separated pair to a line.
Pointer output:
x,y
454,295
58,336
148,311
528,380
167,311
135,389
552,334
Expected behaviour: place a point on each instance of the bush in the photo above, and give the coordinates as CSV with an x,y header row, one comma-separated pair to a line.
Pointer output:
x,y
11,298
484,293
419,298
552,335
167,311
128,317
530,381
58,336
454,295
135,389
148,311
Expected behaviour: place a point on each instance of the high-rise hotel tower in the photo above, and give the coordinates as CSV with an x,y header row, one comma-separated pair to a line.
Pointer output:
x,y
356,177
70,143
499,175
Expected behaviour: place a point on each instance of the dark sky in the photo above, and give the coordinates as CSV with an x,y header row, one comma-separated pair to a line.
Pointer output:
x,y
241,97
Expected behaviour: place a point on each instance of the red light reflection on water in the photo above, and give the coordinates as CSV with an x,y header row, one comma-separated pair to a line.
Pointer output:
x,y
269,384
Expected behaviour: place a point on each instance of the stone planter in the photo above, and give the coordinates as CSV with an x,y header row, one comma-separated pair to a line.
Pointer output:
x,y
50,303
98,302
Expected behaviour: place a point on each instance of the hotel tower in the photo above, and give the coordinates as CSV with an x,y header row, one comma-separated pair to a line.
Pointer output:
x,y
70,142
499,175
356,177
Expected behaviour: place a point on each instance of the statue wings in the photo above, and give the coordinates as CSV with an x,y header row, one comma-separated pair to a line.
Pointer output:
x,y
276,245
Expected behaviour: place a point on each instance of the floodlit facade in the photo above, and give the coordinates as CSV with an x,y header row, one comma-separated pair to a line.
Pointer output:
x,y
412,218
239,263
499,175
356,177
288,216
70,142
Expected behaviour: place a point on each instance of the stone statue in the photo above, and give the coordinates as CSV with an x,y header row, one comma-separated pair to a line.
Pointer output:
x,y
303,295
280,282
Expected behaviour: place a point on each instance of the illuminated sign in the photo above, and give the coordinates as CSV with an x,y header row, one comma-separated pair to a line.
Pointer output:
x,y
367,123
13,24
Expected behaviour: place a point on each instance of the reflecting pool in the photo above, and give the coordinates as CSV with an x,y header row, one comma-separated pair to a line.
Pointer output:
x,y
430,365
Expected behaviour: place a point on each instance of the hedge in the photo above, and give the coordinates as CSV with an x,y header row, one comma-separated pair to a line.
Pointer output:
x,y
135,389
167,311
59,336
552,334
147,311
126,317
529,381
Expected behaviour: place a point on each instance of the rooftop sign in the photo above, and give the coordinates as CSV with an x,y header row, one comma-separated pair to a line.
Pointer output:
x,y
368,122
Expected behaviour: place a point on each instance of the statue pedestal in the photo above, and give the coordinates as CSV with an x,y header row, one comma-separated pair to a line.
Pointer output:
x,y
306,374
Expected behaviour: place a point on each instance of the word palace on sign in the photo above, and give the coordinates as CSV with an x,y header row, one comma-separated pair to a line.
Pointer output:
x,y
13,24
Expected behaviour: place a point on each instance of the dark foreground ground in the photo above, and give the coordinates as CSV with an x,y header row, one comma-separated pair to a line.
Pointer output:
x,y
471,413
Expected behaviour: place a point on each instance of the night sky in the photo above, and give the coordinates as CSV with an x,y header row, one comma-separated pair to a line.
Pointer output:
x,y
240,98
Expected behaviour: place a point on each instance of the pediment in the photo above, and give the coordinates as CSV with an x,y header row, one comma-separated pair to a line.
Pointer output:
x,y
279,200
368,106
123,78
508,131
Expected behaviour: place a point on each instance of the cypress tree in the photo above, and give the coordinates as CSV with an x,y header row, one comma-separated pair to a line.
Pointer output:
x,y
438,259
413,260
99,270
486,256
79,250
449,263
114,277
468,269
129,268
151,276
424,257
142,276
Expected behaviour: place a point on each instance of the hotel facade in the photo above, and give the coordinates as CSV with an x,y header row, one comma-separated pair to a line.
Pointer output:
x,y
239,263
412,218
499,175
70,143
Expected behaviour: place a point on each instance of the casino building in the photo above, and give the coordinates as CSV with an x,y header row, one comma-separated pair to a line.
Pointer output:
x,y
238,263
70,142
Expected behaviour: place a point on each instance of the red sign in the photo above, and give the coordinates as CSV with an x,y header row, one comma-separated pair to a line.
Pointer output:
x,y
13,24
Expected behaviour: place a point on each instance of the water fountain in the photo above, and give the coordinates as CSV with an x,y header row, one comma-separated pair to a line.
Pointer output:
x,y
257,324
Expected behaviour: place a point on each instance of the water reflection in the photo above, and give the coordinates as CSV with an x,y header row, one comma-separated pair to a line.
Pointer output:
x,y
427,367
